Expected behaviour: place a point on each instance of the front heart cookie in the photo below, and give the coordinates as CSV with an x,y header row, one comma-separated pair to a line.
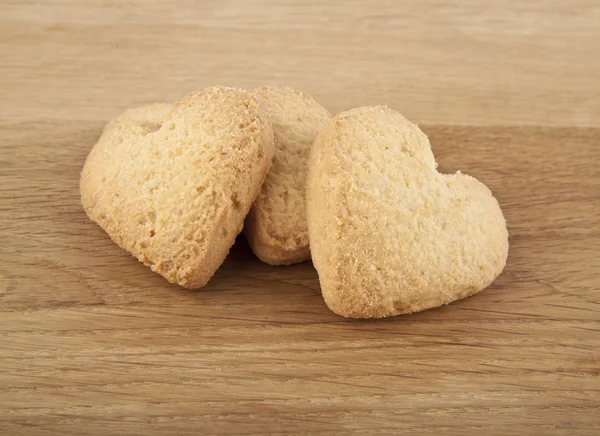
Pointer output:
x,y
388,233
172,184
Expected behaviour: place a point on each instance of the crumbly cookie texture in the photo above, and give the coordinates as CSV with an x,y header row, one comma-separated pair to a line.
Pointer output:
x,y
276,226
172,184
388,233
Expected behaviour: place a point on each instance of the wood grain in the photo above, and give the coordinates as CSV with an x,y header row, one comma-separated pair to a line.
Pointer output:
x,y
92,342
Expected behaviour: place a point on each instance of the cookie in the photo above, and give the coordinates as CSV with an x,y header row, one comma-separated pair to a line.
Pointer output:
x,y
276,226
388,233
172,184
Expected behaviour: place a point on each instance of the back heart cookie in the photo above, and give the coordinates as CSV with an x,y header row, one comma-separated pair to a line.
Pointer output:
x,y
276,226
172,184
388,233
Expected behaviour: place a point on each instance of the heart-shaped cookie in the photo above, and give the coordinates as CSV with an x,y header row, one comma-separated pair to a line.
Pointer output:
x,y
172,184
276,225
388,233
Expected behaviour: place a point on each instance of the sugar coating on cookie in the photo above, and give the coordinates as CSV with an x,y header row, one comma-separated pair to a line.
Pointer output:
x,y
172,184
388,233
276,226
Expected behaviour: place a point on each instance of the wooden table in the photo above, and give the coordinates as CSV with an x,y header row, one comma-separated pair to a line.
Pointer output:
x,y
92,342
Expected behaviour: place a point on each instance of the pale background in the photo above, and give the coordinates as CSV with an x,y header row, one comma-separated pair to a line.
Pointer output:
x,y
448,62
92,342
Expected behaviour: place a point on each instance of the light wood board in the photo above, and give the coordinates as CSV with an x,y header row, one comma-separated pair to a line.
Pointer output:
x,y
93,343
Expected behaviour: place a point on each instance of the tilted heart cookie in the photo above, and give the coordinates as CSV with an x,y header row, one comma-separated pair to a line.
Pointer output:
x,y
388,233
172,184
276,226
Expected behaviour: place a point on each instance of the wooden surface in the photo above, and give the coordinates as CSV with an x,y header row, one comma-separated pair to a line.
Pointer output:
x,y
92,342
